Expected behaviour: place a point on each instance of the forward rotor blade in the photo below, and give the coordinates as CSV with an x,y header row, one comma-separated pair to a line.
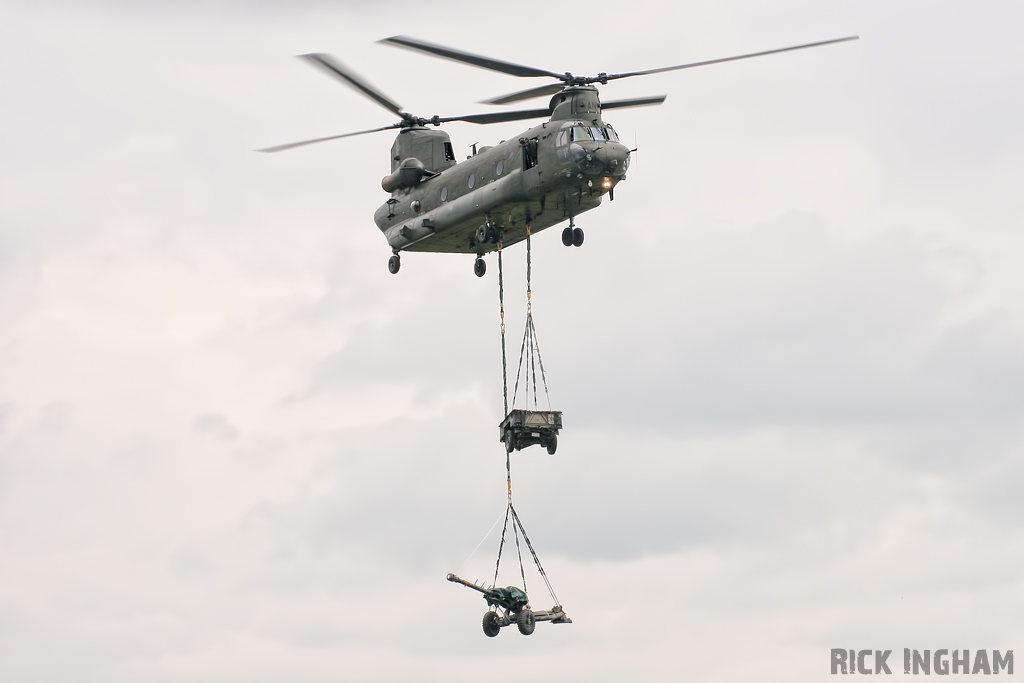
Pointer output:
x,y
501,116
349,77
635,102
468,58
291,145
527,94
731,59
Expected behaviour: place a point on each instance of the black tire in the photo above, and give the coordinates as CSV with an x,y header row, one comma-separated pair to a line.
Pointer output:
x,y
479,267
567,237
577,237
525,621
394,263
552,444
483,234
496,234
490,624
510,441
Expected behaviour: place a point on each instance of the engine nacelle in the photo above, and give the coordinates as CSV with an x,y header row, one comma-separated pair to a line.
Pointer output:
x,y
408,174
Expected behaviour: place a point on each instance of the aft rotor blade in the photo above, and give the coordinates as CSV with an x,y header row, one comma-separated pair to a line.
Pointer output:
x,y
468,58
349,77
635,102
527,94
501,116
730,59
291,145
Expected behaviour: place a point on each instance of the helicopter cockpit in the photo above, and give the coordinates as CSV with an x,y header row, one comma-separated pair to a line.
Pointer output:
x,y
595,148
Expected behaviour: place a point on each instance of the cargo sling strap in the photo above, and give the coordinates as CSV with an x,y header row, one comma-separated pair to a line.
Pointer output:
x,y
529,351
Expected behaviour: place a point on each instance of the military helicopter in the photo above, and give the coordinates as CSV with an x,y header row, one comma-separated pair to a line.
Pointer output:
x,y
545,176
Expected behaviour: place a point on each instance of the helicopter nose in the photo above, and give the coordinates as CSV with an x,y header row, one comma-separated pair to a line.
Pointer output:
x,y
601,159
614,156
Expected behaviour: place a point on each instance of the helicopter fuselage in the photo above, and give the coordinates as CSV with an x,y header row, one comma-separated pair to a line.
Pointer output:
x,y
549,174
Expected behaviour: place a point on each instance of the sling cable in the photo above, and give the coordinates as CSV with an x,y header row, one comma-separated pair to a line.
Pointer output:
x,y
519,429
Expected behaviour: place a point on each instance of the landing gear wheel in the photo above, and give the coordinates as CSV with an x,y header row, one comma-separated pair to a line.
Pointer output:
x,y
483,234
394,263
510,441
567,237
577,237
490,624
496,234
525,621
552,444
479,267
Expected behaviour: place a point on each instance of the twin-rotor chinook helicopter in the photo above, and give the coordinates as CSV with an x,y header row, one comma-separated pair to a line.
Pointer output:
x,y
548,174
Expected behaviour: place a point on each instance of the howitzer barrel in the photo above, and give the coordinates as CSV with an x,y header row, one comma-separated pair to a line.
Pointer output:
x,y
470,584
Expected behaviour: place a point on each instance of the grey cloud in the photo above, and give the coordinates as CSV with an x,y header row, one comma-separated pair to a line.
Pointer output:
x,y
216,425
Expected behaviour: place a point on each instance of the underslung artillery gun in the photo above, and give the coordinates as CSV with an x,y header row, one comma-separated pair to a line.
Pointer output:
x,y
516,607
522,428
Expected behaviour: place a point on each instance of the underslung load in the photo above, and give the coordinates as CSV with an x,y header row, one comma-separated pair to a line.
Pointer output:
x,y
511,605
522,428
527,426
519,429
516,607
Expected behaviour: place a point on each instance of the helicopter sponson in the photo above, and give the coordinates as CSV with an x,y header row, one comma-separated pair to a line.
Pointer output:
x,y
408,174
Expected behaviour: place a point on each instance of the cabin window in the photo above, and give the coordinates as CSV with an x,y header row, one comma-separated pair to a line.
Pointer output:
x,y
562,138
417,206
597,133
499,168
449,153
472,180
444,194
611,134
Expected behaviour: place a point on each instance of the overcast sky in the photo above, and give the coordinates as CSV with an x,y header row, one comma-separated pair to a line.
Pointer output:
x,y
790,354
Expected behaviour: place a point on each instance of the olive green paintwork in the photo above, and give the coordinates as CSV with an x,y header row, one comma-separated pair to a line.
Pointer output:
x,y
551,172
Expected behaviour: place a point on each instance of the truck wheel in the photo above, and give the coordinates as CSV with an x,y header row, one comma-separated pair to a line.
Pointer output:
x,y
552,444
525,621
490,624
479,267
510,441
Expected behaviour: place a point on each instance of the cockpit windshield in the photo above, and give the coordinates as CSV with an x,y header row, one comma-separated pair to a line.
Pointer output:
x,y
581,133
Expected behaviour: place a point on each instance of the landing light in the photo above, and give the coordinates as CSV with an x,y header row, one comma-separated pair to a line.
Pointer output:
x,y
607,183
